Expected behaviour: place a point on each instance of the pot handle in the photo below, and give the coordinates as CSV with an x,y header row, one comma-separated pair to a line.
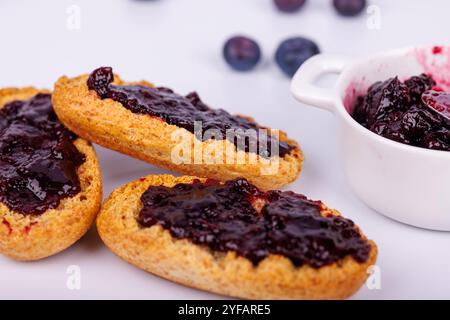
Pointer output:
x,y
302,86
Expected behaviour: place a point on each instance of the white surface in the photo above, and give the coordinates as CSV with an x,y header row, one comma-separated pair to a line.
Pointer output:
x,y
178,43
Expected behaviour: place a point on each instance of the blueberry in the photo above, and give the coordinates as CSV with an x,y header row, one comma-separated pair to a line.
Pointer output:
x,y
241,53
289,5
349,8
291,54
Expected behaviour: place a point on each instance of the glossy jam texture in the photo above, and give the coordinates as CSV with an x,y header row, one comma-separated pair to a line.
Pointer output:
x,y
238,217
183,111
38,161
395,110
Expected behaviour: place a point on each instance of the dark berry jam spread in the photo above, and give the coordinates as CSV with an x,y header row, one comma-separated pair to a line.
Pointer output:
x,y
396,110
38,161
183,111
439,101
238,217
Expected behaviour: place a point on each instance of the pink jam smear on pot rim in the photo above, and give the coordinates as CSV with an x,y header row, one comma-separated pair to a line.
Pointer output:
x,y
435,62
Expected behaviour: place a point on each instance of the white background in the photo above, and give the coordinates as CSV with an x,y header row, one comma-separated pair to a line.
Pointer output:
x,y
178,43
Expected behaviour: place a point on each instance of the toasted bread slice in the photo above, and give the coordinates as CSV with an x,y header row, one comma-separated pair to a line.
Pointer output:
x,y
155,250
151,139
33,237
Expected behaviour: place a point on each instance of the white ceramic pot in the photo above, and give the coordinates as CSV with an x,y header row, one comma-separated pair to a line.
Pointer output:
x,y
406,183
